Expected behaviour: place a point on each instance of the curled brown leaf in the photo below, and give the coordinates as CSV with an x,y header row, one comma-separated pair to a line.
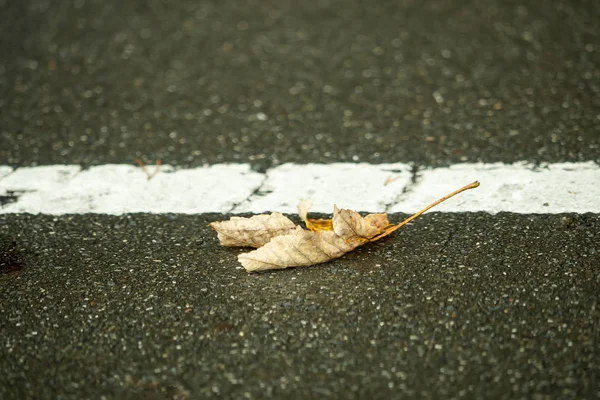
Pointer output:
x,y
313,224
300,248
281,244
252,232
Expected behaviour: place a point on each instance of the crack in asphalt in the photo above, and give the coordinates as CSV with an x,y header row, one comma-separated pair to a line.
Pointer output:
x,y
414,178
233,208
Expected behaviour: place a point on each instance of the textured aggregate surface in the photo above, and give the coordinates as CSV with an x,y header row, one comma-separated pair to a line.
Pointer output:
x,y
149,306
191,82
456,305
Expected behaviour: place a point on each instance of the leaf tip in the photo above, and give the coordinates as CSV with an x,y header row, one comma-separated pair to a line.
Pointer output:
x,y
249,264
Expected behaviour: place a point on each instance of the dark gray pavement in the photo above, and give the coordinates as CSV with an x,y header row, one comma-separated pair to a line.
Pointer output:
x,y
193,82
150,306
458,305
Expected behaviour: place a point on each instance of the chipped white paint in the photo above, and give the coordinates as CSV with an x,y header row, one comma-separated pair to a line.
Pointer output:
x,y
223,188
118,189
355,186
517,188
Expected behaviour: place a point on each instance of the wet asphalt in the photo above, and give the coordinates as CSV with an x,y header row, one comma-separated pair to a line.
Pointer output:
x,y
150,306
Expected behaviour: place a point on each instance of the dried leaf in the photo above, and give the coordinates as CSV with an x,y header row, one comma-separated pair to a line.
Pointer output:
x,y
282,245
313,224
301,248
351,226
252,232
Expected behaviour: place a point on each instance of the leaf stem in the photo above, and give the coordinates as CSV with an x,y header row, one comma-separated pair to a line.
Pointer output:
x,y
435,203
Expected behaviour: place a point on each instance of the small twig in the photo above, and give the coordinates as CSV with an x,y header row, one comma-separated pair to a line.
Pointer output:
x,y
390,179
143,166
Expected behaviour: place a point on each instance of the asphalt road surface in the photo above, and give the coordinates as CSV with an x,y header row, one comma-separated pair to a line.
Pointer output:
x,y
456,305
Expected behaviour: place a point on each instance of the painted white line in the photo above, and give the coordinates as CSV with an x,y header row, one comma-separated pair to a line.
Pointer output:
x,y
119,189
517,188
224,188
4,171
354,186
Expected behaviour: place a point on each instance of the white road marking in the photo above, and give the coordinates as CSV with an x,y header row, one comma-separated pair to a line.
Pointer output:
x,y
235,188
4,171
518,188
119,189
355,186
